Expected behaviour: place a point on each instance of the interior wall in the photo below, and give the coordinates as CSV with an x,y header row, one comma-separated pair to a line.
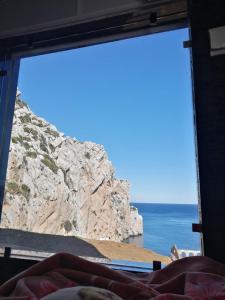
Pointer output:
x,y
25,16
209,102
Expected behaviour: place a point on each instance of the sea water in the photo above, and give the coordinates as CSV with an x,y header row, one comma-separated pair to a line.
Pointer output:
x,y
166,225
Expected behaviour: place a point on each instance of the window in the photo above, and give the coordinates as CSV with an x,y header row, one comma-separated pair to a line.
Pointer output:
x,y
102,144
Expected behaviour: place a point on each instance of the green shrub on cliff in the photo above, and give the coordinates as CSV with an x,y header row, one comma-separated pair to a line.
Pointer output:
x,y
17,139
87,155
52,147
31,131
13,187
25,119
31,154
26,138
43,147
25,191
52,132
26,146
67,226
50,163
38,122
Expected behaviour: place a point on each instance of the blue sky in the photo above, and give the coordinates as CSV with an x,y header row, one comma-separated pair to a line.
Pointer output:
x,y
132,96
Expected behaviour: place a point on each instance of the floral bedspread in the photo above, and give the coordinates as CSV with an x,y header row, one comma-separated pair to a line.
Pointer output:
x,y
67,277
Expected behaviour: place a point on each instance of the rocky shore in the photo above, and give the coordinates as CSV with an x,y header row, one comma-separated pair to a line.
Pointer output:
x,y
128,252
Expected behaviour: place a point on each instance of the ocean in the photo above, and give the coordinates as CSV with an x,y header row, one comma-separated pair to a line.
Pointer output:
x,y
166,225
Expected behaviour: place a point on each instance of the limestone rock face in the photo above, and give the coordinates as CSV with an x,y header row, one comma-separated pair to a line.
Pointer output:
x,y
136,222
58,185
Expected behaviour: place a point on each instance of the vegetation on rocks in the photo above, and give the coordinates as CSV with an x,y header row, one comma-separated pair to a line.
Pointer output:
x,y
67,226
14,188
21,103
43,147
25,118
52,132
25,191
52,147
50,163
26,138
87,155
17,139
22,140
38,122
31,131
26,145
31,154
43,144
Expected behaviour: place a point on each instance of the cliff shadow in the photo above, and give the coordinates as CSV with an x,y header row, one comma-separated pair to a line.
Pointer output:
x,y
48,243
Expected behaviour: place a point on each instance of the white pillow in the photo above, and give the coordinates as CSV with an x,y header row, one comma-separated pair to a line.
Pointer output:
x,y
82,293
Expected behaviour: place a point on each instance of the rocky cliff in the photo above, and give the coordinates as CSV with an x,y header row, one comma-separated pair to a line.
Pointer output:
x,y
56,184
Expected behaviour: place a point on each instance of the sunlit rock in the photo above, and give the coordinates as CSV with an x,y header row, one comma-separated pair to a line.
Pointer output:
x,y
58,185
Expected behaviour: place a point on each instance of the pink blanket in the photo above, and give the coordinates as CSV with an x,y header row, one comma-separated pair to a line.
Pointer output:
x,y
185,279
